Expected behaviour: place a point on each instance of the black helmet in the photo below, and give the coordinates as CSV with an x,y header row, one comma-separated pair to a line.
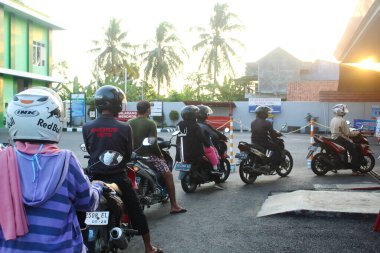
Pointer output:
x,y
109,97
262,111
203,113
189,112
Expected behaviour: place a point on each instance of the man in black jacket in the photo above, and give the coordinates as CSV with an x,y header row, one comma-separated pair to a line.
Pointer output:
x,y
107,133
263,133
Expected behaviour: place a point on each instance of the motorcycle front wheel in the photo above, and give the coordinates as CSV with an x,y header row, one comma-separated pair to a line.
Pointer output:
x,y
187,184
225,167
318,166
286,165
367,163
245,171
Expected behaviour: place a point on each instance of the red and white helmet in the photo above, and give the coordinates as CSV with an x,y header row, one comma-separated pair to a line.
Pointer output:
x,y
35,114
340,109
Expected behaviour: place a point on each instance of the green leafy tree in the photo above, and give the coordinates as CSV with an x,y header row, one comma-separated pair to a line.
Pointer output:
x,y
114,55
199,81
163,56
216,43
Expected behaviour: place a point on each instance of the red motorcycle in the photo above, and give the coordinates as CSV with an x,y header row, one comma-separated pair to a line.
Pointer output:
x,y
333,157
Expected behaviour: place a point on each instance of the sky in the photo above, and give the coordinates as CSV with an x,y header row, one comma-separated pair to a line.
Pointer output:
x,y
307,29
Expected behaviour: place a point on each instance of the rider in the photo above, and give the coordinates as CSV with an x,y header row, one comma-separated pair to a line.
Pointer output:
x,y
143,127
340,132
263,133
41,185
107,133
210,133
194,141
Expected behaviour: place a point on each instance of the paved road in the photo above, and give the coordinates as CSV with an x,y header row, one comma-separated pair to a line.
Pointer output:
x,y
225,221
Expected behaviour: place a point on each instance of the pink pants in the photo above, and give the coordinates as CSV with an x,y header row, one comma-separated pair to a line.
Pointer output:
x,y
212,155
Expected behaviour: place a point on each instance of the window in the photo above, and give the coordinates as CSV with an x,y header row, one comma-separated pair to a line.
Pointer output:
x,y
39,54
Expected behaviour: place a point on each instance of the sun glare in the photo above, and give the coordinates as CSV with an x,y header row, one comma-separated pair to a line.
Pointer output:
x,y
369,63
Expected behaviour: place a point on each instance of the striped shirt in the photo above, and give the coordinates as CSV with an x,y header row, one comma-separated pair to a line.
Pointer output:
x,y
53,226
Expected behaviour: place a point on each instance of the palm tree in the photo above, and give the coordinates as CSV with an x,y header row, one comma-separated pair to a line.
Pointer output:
x,y
114,53
163,60
216,44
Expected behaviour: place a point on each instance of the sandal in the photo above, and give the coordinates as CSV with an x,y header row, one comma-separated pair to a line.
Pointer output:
x,y
356,173
158,250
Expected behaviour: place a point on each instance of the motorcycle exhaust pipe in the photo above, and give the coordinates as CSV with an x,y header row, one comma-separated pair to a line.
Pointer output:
x,y
118,238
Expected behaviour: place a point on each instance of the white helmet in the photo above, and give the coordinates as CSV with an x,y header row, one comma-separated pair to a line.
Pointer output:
x,y
35,114
340,109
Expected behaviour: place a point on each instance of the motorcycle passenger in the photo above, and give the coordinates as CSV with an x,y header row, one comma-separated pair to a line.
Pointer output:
x,y
263,133
143,127
41,185
107,133
210,133
194,141
340,132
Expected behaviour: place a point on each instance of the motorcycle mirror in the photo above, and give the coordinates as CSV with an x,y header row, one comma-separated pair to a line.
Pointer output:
x,y
226,130
111,158
149,141
83,147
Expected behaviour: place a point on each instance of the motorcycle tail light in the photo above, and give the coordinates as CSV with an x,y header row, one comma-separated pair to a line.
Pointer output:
x,y
135,168
124,218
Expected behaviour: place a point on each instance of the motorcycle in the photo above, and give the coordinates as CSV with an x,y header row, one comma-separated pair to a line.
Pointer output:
x,y
333,157
107,228
194,174
256,160
151,186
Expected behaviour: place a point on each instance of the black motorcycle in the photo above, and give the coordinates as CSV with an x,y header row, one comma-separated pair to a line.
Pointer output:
x,y
194,174
107,229
256,161
151,186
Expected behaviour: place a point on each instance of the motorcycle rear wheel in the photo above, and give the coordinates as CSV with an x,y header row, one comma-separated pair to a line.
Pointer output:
x,y
286,165
318,166
187,185
245,174
369,163
226,169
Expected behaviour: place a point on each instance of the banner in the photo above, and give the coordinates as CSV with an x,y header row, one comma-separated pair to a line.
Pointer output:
x,y
126,115
274,103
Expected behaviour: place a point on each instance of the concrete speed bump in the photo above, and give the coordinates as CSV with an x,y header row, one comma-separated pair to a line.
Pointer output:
x,y
347,202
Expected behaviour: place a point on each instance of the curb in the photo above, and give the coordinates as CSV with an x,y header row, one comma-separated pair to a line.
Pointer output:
x,y
72,129
327,214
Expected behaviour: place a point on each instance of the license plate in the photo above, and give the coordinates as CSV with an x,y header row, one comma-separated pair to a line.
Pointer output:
x,y
243,155
97,218
182,166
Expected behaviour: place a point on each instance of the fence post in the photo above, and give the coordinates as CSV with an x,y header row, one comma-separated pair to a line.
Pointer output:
x,y
232,144
311,142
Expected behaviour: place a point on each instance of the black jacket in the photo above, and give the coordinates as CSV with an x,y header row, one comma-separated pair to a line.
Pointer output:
x,y
193,142
107,133
262,131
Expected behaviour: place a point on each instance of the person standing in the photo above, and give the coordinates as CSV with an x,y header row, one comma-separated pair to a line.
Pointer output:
x,y
143,127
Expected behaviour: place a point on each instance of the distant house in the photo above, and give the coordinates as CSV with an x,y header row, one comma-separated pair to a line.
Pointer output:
x,y
276,70
25,51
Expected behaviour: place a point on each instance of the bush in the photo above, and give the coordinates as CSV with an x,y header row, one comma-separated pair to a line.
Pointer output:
x,y
174,115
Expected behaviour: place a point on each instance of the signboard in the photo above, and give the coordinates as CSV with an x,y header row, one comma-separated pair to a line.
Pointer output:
x,y
78,105
369,125
274,103
126,115
156,108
